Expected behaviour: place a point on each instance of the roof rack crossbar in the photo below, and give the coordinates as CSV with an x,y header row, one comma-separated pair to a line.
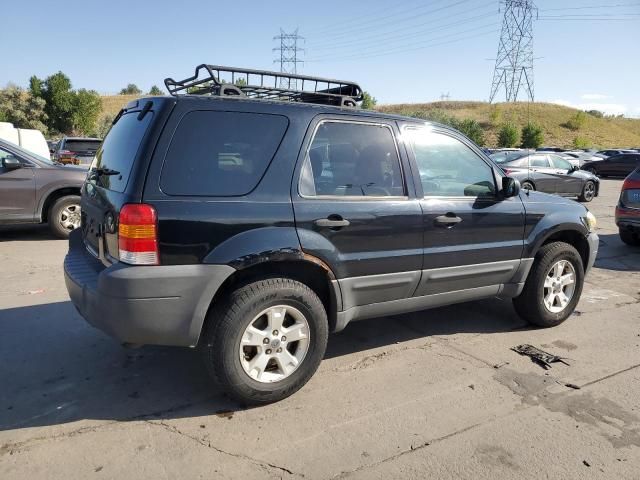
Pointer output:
x,y
264,84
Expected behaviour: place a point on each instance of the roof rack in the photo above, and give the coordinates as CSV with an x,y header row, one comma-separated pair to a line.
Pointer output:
x,y
263,84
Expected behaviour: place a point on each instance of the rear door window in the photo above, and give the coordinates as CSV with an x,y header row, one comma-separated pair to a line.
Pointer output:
x,y
119,150
220,153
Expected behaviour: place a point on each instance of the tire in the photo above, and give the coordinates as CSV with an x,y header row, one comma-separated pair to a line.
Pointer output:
x,y
530,305
591,170
527,185
588,192
226,327
629,237
60,222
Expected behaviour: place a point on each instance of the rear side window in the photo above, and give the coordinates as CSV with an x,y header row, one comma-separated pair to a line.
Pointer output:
x,y
221,153
119,150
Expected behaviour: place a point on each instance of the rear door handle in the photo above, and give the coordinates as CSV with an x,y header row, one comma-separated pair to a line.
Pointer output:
x,y
332,221
448,220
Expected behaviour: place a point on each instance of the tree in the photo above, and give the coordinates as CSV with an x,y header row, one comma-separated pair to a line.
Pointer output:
x,y
581,142
59,98
154,90
35,86
103,125
577,121
21,108
532,136
131,89
595,113
368,101
508,135
86,109
472,129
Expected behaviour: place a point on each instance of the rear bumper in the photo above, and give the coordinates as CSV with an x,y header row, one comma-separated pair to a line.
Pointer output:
x,y
162,305
628,218
594,242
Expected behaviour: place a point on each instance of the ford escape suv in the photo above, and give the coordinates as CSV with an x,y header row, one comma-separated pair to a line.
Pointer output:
x,y
251,220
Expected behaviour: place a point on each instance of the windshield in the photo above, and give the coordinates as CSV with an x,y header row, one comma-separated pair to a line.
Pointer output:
x,y
29,153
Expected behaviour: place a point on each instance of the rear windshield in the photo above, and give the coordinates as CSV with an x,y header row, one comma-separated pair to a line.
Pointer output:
x,y
82,145
119,149
220,153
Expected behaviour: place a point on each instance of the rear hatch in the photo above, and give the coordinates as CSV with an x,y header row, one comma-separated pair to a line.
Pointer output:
x,y
116,176
82,149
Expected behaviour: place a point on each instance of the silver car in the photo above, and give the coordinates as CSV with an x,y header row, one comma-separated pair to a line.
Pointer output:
x,y
550,173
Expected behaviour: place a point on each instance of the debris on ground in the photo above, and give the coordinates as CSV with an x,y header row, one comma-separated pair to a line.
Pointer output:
x,y
542,358
498,365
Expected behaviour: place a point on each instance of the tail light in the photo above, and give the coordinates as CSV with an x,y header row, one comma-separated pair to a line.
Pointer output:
x,y
138,234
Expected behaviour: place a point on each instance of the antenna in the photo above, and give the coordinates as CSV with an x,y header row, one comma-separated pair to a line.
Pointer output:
x,y
288,56
514,62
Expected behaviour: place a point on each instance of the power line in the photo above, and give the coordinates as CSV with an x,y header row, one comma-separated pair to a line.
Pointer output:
x,y
288,56
388,36
619,5
514,63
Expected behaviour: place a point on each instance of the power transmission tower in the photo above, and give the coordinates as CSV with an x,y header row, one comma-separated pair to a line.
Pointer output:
x,y
514,63
288,56
445,96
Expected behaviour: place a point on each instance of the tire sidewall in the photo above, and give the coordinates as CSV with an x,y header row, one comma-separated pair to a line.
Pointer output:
x,y
54,214
229,333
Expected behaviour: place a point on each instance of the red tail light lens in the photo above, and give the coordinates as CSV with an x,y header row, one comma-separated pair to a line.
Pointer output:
x,y
138,234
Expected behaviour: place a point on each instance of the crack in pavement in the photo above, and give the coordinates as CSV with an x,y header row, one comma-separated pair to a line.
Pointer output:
x,y
260,463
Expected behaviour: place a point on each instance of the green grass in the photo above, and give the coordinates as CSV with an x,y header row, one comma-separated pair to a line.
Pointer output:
x,y
598,132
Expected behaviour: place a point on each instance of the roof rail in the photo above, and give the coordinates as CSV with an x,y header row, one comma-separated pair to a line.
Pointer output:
x,y
263,84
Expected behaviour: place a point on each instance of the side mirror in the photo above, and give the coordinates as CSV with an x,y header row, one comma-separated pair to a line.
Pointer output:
x,y
11,162
574,168
510,187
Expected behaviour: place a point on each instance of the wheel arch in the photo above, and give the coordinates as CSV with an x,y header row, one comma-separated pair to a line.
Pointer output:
x,y
575,238
50,198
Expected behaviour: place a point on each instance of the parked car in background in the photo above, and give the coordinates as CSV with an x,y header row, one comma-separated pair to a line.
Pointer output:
x,y
33,189
77,150
612,152
578,158
503,155
615,166
628,210
27,138
550,149
52,144
550,173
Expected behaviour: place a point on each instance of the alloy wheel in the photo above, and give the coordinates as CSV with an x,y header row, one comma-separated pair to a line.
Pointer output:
x,y
559,286
69,217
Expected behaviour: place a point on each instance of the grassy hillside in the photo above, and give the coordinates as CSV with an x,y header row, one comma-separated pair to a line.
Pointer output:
x,y
599,132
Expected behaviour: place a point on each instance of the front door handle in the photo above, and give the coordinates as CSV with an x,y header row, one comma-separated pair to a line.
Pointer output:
x,y
332,221
448,220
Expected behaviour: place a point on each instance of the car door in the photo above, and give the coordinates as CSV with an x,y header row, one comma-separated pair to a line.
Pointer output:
x,y
473,238
542,173
17,190
566,182
628,164
355,208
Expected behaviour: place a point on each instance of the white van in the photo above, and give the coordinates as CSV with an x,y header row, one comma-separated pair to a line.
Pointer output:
x,y
32,140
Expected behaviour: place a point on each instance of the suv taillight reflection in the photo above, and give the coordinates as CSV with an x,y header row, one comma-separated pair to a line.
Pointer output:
x,y
138,234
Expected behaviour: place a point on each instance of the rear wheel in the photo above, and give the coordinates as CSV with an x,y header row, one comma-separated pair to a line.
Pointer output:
x,y
266,341
527,185
629,237
591,170
553,287
588,192
64,215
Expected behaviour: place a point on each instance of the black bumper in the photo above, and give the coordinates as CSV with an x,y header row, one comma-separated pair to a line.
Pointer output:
x,y
161,305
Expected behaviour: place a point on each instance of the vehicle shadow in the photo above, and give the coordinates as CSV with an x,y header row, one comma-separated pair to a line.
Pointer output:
x,y
28,232
614,254
55,369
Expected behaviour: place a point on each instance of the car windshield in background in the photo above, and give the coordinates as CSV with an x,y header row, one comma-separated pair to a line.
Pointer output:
x,y
506,157
80,146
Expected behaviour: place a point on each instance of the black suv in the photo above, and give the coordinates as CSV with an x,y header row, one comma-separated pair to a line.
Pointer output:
x,y
252,226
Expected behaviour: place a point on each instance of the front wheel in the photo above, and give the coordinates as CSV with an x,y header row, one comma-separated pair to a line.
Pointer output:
x,y
266,341
527,185
553,287
588,192
64,215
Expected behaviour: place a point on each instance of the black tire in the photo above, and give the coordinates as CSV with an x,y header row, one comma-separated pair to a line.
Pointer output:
x,y
629,237
56,211
225,326
530,305
527,185
588,192
591,170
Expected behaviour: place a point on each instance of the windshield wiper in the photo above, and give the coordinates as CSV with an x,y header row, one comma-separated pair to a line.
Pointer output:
x,y
105,171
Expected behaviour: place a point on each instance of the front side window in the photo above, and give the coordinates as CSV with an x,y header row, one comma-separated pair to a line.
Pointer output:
x,y
352,159
221,153
448,167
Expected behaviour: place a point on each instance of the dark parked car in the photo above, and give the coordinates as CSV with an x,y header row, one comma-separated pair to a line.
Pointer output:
x,y
615,166
551,173
76,150
33,189
612,152
628,209
251,228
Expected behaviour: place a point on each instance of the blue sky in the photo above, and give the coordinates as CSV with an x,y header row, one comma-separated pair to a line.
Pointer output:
x,y
401,51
